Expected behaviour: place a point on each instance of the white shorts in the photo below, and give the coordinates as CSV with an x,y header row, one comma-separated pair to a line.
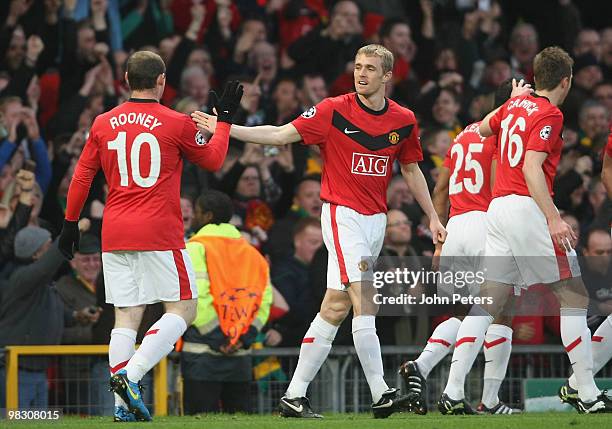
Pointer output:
x,y
353,241
464,248
519,247
136,278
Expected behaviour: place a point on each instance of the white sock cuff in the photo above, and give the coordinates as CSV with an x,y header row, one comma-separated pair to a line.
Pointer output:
x,y
573,312
325,329
363,322
500,330
175,318
126,332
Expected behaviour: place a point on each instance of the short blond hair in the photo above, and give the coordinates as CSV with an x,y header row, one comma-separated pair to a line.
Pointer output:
x,y
380,51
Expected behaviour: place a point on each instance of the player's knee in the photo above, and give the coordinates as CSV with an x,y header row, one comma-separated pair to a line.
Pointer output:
x,y
334,312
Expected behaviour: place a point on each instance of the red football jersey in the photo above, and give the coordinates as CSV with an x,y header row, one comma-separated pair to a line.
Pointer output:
x,y
525,123
469,160
139,145
358,147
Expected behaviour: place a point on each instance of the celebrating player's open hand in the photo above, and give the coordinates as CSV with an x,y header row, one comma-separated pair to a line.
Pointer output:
x,y
227,105
520,88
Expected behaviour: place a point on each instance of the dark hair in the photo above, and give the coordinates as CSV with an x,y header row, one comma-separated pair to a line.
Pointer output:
x,y
143,69
304,223
550,67
387,26
308,178
592,231
502,93
218,203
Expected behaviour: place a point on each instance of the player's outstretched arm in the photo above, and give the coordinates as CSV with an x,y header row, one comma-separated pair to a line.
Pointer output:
x,y
561,233
262,134
418,186
606,174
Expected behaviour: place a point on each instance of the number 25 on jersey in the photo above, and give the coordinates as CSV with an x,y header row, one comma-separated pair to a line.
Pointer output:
x,y
473,186
120,145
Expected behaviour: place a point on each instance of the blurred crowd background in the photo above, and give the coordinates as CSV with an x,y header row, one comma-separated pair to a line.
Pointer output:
x,y
62,64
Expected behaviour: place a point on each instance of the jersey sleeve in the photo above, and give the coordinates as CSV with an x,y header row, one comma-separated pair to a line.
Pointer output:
x,y
544,133
84,173
314,124
411,147
207,154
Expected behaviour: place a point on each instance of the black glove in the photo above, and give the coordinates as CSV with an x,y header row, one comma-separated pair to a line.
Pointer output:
x,y
68,238
230,100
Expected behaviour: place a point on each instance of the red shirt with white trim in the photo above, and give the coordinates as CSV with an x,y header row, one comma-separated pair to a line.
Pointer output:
x,y
358,147
139,146
525,123
469,160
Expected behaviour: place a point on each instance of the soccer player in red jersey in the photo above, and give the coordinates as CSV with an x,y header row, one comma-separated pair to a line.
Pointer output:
x,y
525,230
360,135
139,146
465,180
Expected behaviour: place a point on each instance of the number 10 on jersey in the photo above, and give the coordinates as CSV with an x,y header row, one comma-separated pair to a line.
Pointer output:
x,y
120,145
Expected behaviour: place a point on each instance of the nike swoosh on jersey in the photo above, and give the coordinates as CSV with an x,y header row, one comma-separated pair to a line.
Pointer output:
x,y
293,407
347,131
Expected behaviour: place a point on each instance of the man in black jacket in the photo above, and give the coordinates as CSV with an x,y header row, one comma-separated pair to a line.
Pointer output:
x,y
32,312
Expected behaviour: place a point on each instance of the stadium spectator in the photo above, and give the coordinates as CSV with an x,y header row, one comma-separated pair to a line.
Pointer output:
x,y
606,52
398,253
234,297
78,291
32,311
14,220
596,271
328,50
290,276
603,94
312,90
306,203
588,41
524,45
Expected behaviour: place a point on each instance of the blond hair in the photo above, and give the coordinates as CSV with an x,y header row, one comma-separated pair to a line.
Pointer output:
x,y
374,50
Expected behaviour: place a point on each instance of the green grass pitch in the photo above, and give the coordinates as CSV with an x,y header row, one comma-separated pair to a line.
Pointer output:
x,y
341,421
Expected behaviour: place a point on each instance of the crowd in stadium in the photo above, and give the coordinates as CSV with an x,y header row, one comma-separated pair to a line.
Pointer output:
x,y
62,63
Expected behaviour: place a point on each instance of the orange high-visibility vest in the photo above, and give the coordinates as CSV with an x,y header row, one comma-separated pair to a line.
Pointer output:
x,y
238,276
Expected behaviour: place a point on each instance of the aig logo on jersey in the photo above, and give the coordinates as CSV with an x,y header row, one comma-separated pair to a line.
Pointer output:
x,y
369,165
545,132
309,113
200,139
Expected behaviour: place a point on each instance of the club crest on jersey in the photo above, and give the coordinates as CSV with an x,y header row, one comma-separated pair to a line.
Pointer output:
x,y
545,132
394,137
310,113
369,165
200,139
